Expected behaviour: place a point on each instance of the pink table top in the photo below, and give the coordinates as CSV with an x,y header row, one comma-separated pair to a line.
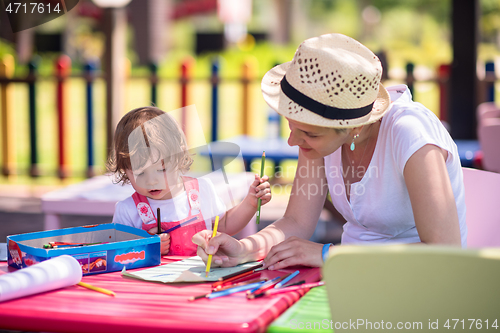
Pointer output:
x,y
140,306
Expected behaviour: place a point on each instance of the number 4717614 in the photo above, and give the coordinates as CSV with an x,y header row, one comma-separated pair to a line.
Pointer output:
x,y
18,7
472,323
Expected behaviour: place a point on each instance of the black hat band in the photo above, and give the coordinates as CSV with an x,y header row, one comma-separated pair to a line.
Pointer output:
x,y
326,111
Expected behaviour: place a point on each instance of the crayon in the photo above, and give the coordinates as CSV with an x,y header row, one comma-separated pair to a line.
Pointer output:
x,y
98,289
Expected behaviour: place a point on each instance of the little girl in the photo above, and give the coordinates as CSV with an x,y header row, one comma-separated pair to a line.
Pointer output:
x,y
150,152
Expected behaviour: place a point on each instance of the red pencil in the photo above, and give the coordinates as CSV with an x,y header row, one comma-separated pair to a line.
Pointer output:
x,y
235,276
242,283
193,298
238,281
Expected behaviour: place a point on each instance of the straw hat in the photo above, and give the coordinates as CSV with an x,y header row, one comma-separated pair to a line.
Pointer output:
x,y
332,81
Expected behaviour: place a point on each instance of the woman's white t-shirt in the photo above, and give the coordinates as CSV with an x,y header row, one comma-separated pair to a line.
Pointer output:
x,y
174,209
379,209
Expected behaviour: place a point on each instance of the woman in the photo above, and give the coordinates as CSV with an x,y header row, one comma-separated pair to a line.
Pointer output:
x,y
391,168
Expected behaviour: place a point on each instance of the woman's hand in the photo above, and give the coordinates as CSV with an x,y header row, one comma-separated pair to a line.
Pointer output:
x,y
165,240
226,250
294,251
259,189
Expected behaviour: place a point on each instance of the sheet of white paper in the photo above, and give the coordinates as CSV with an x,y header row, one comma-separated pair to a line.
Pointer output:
x,y
48,275
187,270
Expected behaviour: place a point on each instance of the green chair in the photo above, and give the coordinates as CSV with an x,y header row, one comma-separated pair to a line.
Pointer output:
x,y
309,314
412,287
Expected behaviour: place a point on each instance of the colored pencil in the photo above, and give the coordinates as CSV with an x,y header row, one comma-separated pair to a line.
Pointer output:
x,y
265,285
240,284
286,279
209,261
234,290
68,243
52,245
98,289
234,282
259,202
158,221
193,298
237,275
284,290
230,281
295,283
180,225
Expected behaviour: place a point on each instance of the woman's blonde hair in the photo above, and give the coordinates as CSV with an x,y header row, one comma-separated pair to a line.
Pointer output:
x,y
146,134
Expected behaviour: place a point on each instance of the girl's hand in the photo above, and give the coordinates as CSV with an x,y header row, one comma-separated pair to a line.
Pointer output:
x,y
294,251
259,189
164,238
226,250
165,243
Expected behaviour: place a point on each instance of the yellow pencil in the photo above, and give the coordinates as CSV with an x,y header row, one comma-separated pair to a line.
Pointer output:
x,y
209,261
99,289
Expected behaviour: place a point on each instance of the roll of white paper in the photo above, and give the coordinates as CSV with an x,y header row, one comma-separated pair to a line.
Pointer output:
x,y
48,275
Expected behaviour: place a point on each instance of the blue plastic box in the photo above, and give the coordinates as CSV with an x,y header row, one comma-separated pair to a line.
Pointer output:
x,y
122,246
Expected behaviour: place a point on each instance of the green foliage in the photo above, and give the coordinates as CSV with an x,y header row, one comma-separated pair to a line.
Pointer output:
x,y
6,48
490,20
424,42
231,60
438,10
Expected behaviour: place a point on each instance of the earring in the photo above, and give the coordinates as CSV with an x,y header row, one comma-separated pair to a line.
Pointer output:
x,y
353,146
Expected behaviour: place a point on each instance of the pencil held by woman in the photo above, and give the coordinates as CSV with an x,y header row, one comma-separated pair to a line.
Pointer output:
x,y
209,262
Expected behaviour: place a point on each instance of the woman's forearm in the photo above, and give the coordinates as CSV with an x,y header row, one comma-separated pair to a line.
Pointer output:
x,y
258,245
302,212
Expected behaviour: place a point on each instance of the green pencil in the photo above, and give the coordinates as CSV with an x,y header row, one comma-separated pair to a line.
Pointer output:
x,y
259,202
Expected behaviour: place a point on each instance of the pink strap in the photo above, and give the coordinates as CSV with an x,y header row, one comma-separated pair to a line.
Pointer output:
x,y
143,208
146,212
139,198
192,188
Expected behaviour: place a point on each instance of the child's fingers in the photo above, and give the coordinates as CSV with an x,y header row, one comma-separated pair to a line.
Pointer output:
x,y
256,180
263,180
263,192
262,186
153,231
265,197
165,244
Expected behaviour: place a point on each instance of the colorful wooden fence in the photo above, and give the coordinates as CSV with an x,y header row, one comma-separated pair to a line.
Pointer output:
x,y
62,72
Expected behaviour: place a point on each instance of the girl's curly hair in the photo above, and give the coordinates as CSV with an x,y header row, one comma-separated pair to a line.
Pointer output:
x,y
140,138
